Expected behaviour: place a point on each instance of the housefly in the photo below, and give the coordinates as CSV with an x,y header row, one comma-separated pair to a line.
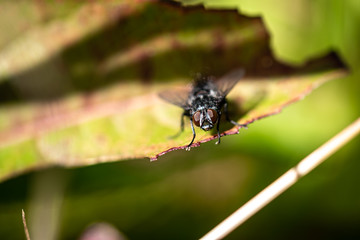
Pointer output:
x,y
204,101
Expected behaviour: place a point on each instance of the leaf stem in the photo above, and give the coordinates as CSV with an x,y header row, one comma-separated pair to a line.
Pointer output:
x,y
283,182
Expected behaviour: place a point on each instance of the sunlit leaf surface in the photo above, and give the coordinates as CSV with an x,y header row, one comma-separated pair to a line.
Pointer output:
x,y
128,121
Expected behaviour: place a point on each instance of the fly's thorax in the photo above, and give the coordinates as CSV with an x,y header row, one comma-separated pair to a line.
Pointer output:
x,y
201,101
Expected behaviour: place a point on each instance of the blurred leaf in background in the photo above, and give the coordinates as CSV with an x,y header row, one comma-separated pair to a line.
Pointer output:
x,y
302,29
69,65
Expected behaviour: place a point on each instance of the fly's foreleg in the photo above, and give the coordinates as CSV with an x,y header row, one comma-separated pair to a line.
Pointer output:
x,y
194,135
218,127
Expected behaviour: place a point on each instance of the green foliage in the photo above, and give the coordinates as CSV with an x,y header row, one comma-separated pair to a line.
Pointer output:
x,y
303,29
134,123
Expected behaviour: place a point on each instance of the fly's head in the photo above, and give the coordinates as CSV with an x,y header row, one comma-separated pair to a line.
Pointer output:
x,y
205,118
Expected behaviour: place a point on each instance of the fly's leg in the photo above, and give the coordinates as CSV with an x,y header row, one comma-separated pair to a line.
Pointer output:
x,y
181,127
194,135
228,118
218,127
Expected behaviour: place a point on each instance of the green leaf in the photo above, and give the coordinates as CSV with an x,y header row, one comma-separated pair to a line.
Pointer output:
x,y
49,28
126,121
303,29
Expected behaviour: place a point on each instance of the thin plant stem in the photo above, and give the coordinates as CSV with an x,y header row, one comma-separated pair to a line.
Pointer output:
x,y
48,187
25,226
283,182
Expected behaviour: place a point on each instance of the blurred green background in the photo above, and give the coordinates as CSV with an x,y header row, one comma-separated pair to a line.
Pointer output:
x,y
185,194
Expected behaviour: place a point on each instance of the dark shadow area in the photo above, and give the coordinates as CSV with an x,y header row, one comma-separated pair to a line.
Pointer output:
x,y
236,112
7,92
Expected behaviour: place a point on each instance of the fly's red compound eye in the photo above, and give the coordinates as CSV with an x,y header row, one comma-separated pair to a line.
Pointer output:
x,y
213,115
196,118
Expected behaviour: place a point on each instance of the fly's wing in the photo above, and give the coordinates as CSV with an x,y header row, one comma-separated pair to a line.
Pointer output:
x,y
226,83
178,97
